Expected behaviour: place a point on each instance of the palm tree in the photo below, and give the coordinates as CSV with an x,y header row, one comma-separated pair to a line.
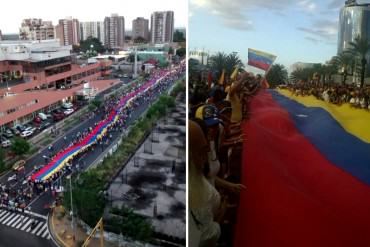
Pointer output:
x,y
217,62
344,62
222,61
361,47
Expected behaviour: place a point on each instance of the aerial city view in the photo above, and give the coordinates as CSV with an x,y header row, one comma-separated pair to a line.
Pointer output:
x,y
279,123
93,124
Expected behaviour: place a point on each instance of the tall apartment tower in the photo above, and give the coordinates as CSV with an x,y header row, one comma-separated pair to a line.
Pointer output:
x,y
161,27
140,28
36,29
92,29
114,28
68,31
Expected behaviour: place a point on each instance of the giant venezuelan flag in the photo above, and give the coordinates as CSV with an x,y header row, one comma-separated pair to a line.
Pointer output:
x,y
62,158
260,59
306,166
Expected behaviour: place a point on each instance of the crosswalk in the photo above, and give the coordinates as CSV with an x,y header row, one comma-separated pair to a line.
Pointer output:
x,y
23,222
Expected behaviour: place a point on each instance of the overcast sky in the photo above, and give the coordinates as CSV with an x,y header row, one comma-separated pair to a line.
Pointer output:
x,y
13,11
294,30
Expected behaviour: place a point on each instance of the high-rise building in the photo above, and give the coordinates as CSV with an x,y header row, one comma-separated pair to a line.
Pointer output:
x,y
353,22
36,29
68,31
92,29
140,28
162,26
114,30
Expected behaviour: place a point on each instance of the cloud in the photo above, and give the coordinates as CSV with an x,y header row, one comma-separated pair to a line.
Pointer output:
x,y
307,5
233,14
322,30
312,39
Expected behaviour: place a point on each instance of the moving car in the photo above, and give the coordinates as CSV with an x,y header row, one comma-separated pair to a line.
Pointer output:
x,y
68,111
26,133
19,165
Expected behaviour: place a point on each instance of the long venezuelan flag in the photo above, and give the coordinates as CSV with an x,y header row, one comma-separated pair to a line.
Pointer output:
x,y
62,158
307,172
260,59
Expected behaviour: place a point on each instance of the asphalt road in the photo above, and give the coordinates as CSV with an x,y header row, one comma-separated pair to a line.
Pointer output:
x,y
39,204
10,237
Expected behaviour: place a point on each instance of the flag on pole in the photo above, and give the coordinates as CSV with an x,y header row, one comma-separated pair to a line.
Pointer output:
x,y
234,74
260,59
222,78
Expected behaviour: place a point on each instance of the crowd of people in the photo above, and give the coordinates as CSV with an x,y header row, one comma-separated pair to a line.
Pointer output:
x,y
334,93
18,197
215,145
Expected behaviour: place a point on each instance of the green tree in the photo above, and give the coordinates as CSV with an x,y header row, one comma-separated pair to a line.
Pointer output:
x,y
181,52
344,63
97,103
140,40
361,47
178,36
20,146
228,62
93,44
277,75
170,51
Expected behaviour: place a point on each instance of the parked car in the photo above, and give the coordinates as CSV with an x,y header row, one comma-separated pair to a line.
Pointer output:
x,y
30,128
26,133
37,120
5,142
58,115
67,105
68,111
15,131
8,133
11,178
19,165
43,126
20,127
43,116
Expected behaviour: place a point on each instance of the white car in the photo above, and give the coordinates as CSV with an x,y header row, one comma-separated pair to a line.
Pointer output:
x,y
5,143
68,111
32,129
67,105
11,178
43,116
26,133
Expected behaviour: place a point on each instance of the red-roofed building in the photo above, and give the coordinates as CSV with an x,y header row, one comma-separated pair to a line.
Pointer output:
x,y
39,76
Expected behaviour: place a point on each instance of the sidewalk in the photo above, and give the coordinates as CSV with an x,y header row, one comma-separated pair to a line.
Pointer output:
x,y
61,230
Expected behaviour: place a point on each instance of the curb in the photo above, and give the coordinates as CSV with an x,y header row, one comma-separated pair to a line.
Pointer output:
x,y
54,236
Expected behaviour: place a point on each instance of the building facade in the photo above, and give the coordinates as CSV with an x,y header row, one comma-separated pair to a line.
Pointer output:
x,y
1,36
114,32
140,28
45,74
68,31
354,20
162,27
92,29
36,29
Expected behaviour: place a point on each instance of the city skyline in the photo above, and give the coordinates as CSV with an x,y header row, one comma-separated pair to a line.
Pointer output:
x,y
295,31
10,24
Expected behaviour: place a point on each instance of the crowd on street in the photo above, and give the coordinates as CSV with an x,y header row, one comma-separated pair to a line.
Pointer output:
x,y
215,145
18,197
334,93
